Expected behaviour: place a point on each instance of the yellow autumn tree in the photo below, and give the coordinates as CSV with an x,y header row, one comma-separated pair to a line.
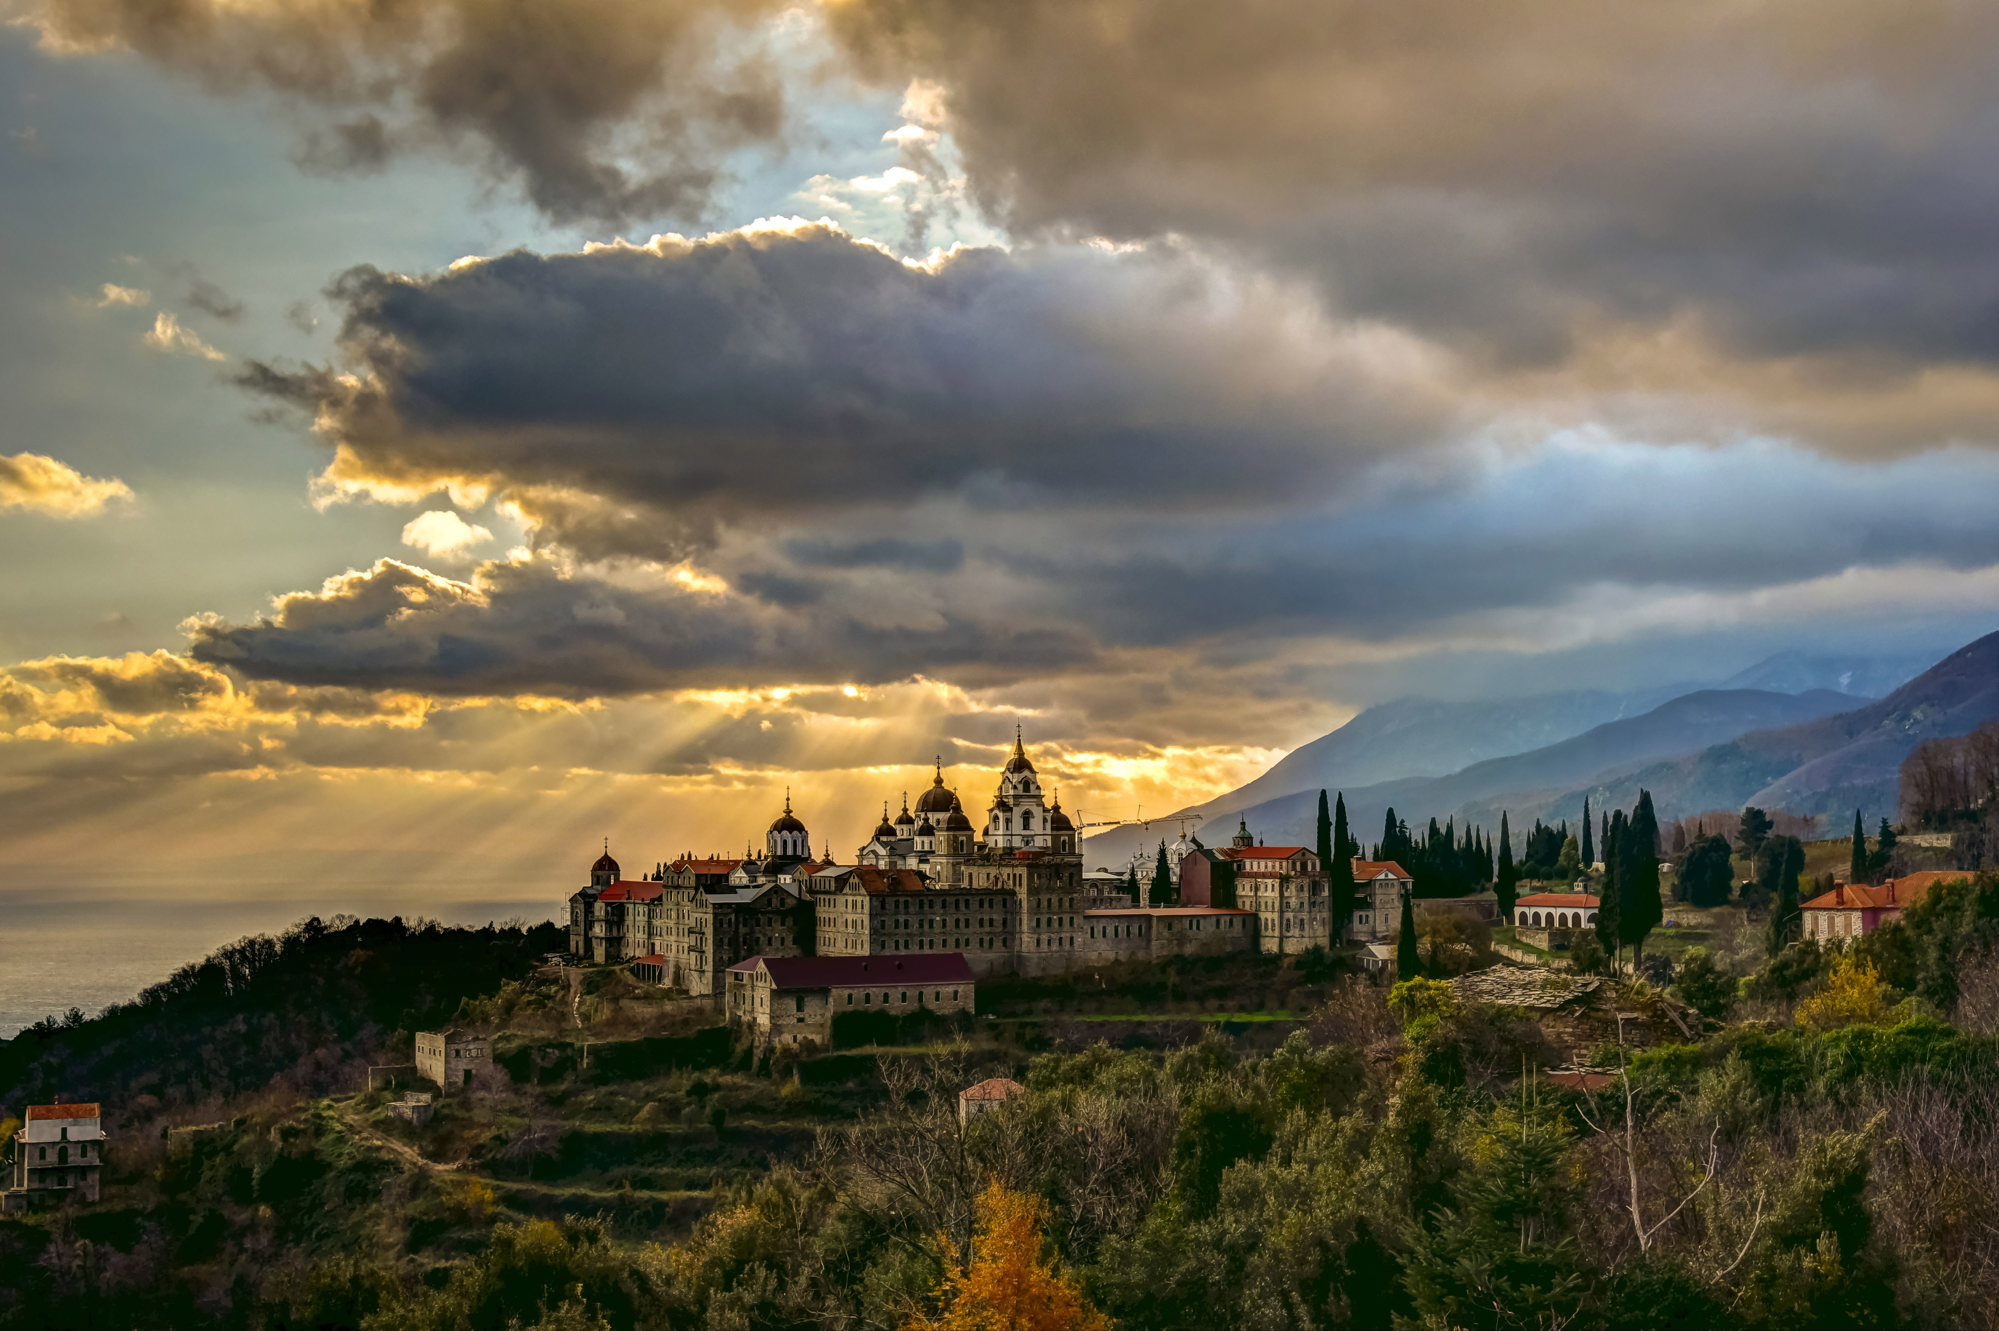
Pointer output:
x,y
1007,1282
1853,996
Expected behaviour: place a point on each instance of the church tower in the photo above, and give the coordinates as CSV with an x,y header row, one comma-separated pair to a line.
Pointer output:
x,y
1019,818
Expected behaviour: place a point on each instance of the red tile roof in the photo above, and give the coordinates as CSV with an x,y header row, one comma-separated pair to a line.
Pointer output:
x,y
993,1088
1582,1081
858,972
704,866
36,1112
880,881
649,959
1365,869
1891,895
1559,900
629,890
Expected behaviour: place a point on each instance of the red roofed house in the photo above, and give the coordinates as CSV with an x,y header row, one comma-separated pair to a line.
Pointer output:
x,y
988,1095
1380,885
1853,909
1284,886
58,1153
1547,919
789,1000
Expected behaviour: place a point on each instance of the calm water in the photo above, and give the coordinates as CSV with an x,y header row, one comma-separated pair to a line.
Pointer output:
x,y
91,951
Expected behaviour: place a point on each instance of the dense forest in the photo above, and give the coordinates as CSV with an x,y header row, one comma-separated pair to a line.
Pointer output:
x,y
304,1007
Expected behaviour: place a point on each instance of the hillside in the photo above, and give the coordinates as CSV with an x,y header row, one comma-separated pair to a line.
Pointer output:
x,y
1828,766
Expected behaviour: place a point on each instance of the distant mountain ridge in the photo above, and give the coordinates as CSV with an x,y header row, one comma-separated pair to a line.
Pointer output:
x,y
1532,755
1827,767
1673,729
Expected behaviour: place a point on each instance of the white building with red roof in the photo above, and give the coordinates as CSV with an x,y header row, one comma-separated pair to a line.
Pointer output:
x,y
58,1154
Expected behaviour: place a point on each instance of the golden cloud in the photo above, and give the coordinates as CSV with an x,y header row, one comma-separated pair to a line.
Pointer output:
x,y
43,485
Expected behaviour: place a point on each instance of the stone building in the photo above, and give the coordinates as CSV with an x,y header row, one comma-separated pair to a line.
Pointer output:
x,y
1380,885
58,1155
455,1059
1284,885
1852,910
790,1000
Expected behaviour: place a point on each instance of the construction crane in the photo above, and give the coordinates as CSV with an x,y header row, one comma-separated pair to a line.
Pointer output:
x,y
1138,819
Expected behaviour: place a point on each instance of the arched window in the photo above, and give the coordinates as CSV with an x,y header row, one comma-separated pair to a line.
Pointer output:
x,y
1026,820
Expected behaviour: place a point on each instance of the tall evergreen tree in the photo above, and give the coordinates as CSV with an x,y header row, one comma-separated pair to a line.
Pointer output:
x,y
1323,841
1603,836
1589,837
1857,873
1408,957
1784,860
1504,877
1131,883
1345,899
1610,897
1640,909
1163,893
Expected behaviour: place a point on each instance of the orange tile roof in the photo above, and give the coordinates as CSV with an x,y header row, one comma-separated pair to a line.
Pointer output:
x,y
1262,852
1573,900
993,1088
36,1112
1891,895
1375,868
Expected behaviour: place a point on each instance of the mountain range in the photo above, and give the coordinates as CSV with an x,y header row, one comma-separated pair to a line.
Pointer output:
x,y
1774,734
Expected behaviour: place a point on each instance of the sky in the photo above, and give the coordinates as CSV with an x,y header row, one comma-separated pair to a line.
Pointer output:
x,y
440,435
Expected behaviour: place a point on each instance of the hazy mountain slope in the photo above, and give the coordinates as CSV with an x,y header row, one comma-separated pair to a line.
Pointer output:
x,y
1829,766
1676,727
1411,737
1861,676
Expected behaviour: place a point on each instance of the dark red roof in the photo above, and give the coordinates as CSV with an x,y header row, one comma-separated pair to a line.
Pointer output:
x,y
649,959
828,972
62,1111
704,866
627,890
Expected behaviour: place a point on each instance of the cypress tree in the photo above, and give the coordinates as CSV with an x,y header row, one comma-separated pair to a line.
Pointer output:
x,y
1339,874
1408,957
1505,877
1641,909
1131,883
1323,843
1589,839
1162,880
1610,896
1858,873
1603,836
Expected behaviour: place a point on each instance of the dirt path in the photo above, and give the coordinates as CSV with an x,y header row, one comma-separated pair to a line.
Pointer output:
x,y
388,1143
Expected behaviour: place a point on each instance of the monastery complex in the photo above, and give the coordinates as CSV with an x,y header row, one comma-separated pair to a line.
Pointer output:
x,y
1006,893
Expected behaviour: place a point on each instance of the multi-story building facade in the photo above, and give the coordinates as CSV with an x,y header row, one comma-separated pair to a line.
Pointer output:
x,y
58,1153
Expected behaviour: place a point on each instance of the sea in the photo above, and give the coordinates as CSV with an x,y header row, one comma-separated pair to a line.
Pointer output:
x,y
88,951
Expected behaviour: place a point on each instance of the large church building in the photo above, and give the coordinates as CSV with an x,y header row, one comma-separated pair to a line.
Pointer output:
x,y
1007,893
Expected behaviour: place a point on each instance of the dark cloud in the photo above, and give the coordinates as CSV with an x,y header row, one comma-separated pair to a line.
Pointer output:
x,y
939,556
527,628
559,95
1790,178
633,399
